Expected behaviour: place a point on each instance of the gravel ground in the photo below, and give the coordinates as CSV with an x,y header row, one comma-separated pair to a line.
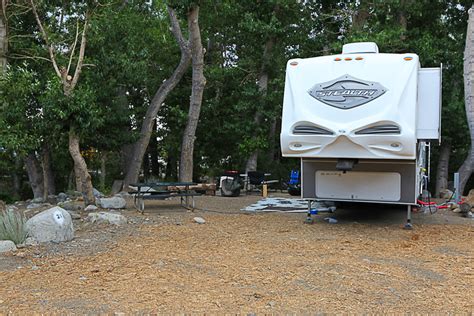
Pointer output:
x,y
163,262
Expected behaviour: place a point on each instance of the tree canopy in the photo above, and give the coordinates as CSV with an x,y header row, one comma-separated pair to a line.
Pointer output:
x,y
131,51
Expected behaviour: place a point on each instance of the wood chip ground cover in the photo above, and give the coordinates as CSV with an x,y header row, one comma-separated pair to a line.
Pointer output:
x,y
239,263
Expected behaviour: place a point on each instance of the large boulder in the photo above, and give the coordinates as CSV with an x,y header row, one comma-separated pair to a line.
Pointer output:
x,y
7,245
107,218
115,202
53,225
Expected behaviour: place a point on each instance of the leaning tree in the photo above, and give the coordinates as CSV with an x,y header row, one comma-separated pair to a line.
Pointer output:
x,y
467,167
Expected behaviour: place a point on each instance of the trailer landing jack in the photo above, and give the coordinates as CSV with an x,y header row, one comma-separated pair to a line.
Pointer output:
x,y
408,225
314,211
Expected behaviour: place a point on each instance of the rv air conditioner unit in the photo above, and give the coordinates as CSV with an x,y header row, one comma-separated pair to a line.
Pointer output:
x,y
361,122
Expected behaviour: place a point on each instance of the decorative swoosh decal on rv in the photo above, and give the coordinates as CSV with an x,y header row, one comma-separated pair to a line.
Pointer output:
x,y
347,92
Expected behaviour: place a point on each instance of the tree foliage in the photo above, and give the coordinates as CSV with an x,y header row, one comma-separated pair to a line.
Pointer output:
x,y
131,51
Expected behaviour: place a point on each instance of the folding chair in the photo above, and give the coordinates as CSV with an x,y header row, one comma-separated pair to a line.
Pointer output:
x,y
256,179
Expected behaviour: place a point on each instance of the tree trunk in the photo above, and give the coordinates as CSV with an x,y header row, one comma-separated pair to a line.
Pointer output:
x,y
402,20
467,167
77,178
16,175
252,161
34,175
80,168
443,167
166,87
154,154
3,36
50,175
45,164
360,16
199,81
103,169
271,140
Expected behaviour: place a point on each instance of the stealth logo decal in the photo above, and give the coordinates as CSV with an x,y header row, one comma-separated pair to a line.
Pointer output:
x,y
347,92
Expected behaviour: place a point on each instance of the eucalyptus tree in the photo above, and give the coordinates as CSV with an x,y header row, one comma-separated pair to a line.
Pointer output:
x,y
466,169
156,102
197,90
3,34
62,31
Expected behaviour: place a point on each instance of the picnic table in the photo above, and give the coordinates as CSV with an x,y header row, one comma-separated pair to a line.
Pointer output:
x,y
162,191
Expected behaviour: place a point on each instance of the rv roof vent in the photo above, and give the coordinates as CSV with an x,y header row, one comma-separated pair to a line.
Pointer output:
x,y
380,129
310,130
360,48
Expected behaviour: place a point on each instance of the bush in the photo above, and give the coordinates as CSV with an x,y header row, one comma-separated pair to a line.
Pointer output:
x,y
12,226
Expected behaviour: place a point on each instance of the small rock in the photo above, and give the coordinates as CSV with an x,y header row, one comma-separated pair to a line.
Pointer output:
x,y
62,197
33,205
331,220
52,199
457,210
271,304
90,208
37,200
107,217
446,194
34,268
70,206
199,220
74,215
12,208
97,193
7,245
470,214
31,241
115,202
123,194
465,207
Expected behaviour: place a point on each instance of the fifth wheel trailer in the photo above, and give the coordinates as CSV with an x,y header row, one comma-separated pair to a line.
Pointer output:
x,y
362,123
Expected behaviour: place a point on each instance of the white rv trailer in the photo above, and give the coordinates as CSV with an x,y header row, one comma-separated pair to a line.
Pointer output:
x,y
361,122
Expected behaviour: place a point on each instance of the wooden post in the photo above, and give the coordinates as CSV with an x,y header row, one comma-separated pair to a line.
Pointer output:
x,y
265,190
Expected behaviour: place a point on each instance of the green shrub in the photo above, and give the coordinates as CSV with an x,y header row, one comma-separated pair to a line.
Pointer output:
x,y
12,226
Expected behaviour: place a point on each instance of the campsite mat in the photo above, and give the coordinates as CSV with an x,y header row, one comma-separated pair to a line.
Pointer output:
x,y
278,204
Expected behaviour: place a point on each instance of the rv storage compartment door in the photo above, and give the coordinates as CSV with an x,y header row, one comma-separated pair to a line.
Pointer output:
x,y
371,186
428,125
370,180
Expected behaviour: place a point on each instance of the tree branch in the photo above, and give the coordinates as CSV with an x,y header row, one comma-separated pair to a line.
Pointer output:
x,y
73,48
82,51
46,39
19,56
176,29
